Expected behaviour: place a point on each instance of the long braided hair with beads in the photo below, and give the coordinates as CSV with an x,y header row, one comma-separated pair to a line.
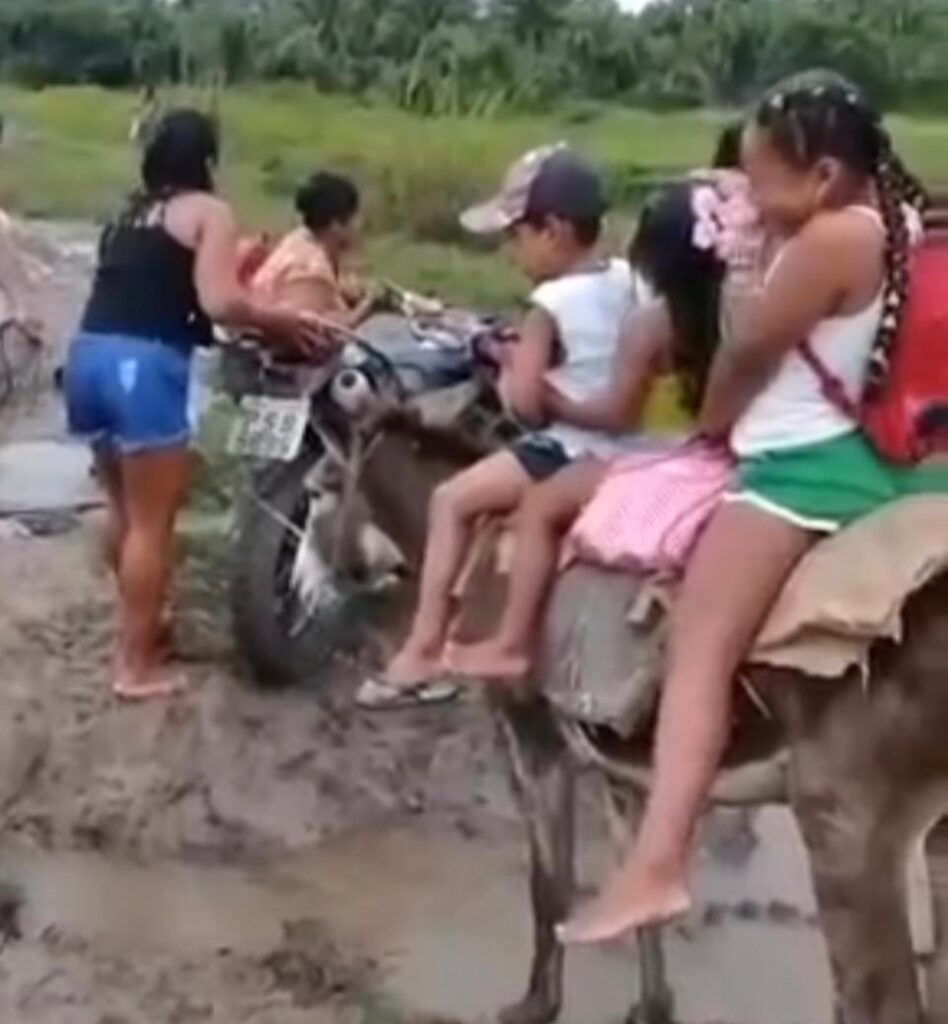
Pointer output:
x,y
821,114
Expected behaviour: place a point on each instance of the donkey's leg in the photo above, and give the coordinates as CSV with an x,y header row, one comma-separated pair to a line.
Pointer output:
x,y
937,968
544,782
870,772
857,877
656,999
856,823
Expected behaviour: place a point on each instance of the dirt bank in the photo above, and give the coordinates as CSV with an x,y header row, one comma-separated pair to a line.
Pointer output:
x,y
225,776
226,768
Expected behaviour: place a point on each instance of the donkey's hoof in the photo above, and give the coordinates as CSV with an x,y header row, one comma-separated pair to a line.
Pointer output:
x,y
659,1011
11,904
532,1009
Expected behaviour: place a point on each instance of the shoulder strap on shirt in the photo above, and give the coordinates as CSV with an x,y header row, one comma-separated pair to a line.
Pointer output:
x,y
868,211
831,386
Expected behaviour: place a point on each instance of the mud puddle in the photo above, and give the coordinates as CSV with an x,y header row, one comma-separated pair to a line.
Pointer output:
x,y
440,918
42,476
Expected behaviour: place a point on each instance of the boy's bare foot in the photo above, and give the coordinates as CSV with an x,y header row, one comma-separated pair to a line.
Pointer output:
x,y
487,661
635,897
161,682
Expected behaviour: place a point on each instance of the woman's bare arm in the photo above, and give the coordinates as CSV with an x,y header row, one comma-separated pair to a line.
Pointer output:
x,y
216,248
222,297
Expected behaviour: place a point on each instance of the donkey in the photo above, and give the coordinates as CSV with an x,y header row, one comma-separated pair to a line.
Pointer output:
x,y
864,767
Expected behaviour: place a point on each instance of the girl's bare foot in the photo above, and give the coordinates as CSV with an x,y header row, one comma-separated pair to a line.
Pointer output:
x,y
487,661
161,682
635,897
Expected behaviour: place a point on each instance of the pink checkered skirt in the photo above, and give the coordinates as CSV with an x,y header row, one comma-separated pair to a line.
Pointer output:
x,y
651,509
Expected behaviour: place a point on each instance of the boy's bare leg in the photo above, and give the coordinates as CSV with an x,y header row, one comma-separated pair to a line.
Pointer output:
x,y
496,484
736,574
546,513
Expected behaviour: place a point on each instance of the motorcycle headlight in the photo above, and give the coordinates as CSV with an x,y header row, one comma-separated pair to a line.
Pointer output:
x,y
352,391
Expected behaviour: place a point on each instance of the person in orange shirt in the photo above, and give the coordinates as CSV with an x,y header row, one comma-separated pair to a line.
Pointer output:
x,y
307,269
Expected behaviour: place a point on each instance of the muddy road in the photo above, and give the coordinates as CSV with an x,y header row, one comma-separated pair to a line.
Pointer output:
x,y
274,858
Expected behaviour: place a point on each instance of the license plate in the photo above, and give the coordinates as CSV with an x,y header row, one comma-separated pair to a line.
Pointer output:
x,y
269,428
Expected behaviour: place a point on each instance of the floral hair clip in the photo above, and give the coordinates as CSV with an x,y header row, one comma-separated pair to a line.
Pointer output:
x,y
726,221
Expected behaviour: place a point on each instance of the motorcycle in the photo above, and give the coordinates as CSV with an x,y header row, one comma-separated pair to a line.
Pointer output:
x,y
312,560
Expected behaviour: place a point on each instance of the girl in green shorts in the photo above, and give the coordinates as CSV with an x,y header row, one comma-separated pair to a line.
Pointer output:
x,y
826,179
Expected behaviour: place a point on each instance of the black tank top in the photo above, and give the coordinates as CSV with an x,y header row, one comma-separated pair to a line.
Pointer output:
x,y
144,285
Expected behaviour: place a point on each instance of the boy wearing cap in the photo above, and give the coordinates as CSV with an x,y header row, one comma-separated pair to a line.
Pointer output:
x,y
550,208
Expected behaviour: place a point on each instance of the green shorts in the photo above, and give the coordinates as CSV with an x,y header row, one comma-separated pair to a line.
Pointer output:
x,y
825,486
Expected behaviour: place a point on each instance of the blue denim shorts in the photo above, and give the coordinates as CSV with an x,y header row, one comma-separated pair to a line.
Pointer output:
x,y
128,394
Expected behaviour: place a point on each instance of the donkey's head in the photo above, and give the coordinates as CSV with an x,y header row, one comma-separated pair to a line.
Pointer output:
x,y
371,492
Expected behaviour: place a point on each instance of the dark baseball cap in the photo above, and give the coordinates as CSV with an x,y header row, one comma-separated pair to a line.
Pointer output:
x,y
550,181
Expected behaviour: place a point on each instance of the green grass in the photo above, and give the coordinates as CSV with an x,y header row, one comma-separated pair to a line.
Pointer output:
x,y
68,155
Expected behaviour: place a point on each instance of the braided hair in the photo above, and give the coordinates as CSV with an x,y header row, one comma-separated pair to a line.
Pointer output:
x,y
689,279
821,114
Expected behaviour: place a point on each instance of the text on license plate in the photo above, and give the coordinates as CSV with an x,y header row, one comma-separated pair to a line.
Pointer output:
x,y
269,428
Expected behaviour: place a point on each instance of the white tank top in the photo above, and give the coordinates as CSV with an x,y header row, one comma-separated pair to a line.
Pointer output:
x,y
792,411
589,309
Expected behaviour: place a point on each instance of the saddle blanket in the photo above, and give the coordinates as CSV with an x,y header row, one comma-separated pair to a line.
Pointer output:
x,y
848,592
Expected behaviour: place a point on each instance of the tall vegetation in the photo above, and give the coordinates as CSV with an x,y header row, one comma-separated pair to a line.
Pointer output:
x,y
475,57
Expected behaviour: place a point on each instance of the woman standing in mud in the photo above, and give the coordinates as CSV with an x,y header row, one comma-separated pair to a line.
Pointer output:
x,y
167,270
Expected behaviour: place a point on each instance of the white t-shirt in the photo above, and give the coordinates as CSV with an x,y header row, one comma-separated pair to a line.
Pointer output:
x,y
588,309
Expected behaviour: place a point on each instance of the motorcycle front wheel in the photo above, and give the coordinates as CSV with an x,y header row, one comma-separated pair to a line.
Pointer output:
x,y
284,641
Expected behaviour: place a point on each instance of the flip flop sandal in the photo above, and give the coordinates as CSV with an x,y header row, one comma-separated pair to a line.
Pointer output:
x,y
378,695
